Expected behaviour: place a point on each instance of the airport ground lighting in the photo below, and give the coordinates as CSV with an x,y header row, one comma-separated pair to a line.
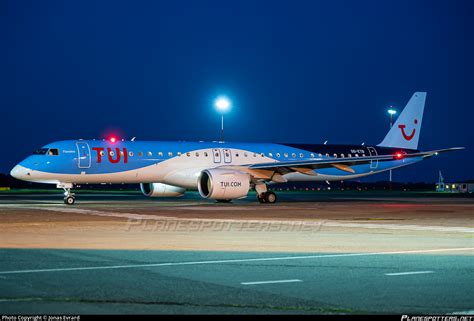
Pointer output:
x,y
222,105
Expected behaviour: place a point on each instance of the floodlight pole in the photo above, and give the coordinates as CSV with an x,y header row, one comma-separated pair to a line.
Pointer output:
x,y
222,104
390,175
222,127
390,171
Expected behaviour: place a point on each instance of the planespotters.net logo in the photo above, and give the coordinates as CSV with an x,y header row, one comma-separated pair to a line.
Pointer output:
x,y
469,317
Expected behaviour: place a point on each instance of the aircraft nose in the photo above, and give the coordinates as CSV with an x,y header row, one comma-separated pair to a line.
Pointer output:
x,y
20,172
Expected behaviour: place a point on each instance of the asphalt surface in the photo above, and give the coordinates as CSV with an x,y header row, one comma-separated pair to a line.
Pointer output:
x,y
327,284
373,255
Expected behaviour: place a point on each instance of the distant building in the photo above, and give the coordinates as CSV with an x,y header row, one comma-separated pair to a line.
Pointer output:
x,y
441,186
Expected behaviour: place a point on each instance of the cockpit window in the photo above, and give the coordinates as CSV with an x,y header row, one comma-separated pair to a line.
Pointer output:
x,y
41,151
53,152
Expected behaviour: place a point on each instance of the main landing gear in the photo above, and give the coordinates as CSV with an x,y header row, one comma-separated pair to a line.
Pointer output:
x,y
69,197
267,197
264,195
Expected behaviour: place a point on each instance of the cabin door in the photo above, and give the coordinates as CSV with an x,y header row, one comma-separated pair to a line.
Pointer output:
x,y
227,156
373,152
216,154
83,155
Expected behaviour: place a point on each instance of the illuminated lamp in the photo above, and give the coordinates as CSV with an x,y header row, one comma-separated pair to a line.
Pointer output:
x,y
398,155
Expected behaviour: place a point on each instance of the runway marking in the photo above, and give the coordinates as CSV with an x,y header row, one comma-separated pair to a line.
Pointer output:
x,y
21,300
283,258
402,227
409,273
319,224
270,282
464,312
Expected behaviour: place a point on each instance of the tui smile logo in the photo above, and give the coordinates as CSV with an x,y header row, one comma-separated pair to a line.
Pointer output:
x,y
402,129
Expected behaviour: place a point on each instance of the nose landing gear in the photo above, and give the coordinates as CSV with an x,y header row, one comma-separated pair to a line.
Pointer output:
x,y
69,200
69,197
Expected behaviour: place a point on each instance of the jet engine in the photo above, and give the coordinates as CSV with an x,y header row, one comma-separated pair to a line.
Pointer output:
x,y
161,190
223,184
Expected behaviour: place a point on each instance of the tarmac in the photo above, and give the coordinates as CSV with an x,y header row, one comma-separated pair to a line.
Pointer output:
x,y
311,253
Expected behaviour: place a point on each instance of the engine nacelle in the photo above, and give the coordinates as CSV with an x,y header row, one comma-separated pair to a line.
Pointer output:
x,y
223,184
161,190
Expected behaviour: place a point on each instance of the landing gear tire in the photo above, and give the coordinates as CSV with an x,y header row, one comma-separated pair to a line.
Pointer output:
x,y
270,197
267,197
69,200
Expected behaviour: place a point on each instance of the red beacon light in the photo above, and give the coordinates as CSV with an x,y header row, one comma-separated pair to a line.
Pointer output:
x,y
398,155
113,139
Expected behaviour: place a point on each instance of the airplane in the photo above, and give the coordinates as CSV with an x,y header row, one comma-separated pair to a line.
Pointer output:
x,y
221,171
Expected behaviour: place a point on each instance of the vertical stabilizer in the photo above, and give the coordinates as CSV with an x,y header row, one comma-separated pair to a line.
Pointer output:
x,y
406,130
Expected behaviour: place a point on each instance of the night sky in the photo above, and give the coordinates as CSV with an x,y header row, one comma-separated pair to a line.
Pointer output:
x,y
296,71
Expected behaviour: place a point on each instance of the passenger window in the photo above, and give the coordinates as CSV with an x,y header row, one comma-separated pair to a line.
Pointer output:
x,y
342,155
311,155
102,153
301,155
140,154
237,155
205,154
188,154
245,155
170,154
320,155
149,154
262,154
293,155
349,155
178,153
121,153
270,154
286,155
160,154
278,155
356,155
335,155
327,155
111,153
197,154
130,154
